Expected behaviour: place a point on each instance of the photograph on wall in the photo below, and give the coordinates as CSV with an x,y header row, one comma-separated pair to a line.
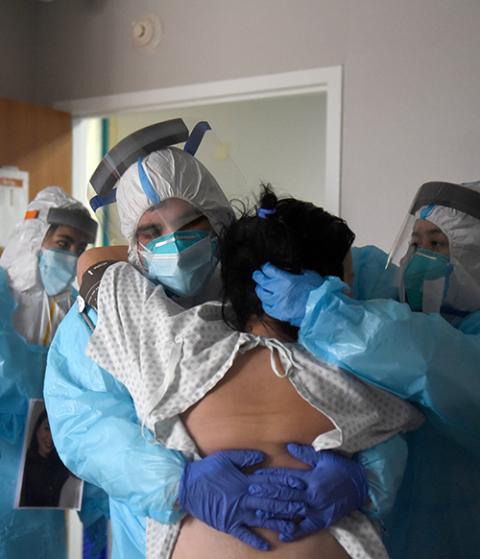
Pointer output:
x,y
43,480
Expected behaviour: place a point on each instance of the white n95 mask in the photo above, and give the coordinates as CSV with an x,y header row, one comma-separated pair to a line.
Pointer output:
x,y
183,261
57,269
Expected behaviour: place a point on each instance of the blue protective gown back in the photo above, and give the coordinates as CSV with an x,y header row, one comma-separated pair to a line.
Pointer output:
x,y
436,514
22,371
22,368
424,359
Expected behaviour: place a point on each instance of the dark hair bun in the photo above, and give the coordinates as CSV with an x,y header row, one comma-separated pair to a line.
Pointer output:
x,y
291,234
268,198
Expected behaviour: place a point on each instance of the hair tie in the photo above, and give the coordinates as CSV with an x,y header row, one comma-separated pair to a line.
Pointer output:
x,y
265,212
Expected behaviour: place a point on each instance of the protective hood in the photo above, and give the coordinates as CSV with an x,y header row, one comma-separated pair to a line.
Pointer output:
x,y
455,210
172,173
463,232
20,257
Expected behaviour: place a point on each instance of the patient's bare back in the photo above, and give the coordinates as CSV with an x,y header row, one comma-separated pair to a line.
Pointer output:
x,y
253,408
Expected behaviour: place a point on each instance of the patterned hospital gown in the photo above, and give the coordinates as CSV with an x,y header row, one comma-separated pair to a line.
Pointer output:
x,y
169,358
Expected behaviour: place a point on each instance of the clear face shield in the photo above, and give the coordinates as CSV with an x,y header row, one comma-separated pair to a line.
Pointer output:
x,y
215,155
434,264
191,135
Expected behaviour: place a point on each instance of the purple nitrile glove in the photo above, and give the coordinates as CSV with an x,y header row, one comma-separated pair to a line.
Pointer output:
x,y
215,491
284,295
335,487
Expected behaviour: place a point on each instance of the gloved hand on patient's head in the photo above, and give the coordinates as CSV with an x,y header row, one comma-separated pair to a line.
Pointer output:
x,y
284,295
216,491
334,487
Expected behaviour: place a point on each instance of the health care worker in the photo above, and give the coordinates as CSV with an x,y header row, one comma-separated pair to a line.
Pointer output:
x,y
171,210
425,348
37,268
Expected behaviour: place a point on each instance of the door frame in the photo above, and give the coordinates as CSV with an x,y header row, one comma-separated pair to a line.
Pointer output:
x,y
315,80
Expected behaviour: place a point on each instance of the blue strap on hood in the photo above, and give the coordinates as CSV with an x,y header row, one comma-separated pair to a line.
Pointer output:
x,y
195,138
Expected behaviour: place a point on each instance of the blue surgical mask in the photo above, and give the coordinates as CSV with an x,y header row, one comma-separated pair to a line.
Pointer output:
x,y
425,266
57,269
183,261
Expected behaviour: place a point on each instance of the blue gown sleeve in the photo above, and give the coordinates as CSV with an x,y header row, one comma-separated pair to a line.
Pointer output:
x,y
97,434
21,364
384,466
371,278
416,356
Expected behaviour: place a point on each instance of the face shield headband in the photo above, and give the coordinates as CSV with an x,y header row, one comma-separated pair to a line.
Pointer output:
x,y
447,194
74,218
135,147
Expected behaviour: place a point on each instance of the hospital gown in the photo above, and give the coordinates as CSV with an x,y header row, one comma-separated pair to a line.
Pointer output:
x,y
152,347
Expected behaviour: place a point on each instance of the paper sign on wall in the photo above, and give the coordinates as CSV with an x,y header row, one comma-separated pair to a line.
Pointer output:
x,y
13,199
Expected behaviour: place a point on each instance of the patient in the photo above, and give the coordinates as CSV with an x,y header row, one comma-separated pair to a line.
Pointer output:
x,y
226,376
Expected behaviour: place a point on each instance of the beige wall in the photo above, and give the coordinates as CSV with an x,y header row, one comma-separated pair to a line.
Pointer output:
x,y
411,76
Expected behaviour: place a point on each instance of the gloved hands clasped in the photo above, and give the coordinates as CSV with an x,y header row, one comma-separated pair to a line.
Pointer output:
x,y
284,295
215,490
289,501
334,487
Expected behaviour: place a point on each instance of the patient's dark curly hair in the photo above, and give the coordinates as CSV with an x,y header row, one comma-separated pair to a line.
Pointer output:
x,y
293,235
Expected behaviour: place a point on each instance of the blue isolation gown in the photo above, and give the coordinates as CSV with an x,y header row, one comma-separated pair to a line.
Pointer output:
x,y
99,438
28,532
432,363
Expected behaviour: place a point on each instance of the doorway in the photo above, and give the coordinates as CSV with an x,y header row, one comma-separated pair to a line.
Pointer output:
x,y
279,128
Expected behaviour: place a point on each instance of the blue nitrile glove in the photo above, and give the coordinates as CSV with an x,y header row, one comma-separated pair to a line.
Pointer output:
x,y
215,491
335,487
284,295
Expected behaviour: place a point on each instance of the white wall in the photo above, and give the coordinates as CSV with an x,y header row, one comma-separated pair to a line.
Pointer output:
x,y
279,140
17,49
411,76
207,40
411,112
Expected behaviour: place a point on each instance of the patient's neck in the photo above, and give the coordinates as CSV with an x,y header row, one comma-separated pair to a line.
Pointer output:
x,y
269,327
